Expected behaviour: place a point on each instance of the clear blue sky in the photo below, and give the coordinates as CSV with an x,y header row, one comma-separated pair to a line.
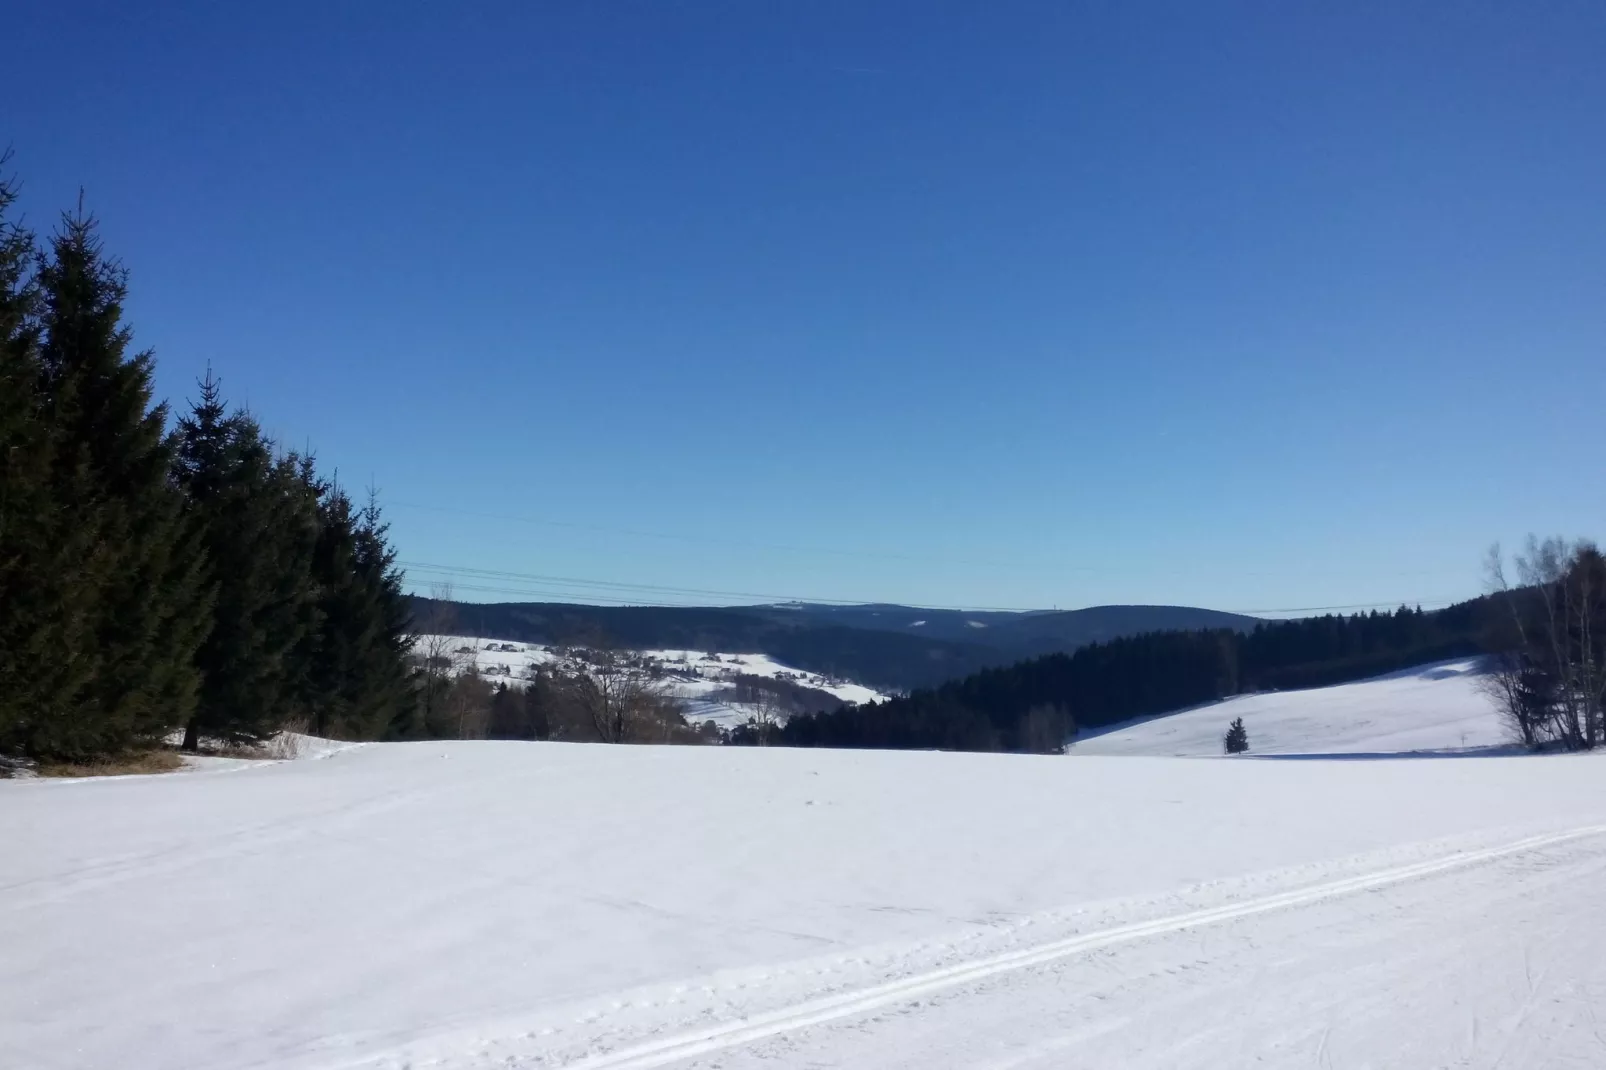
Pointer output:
x,y
1247,305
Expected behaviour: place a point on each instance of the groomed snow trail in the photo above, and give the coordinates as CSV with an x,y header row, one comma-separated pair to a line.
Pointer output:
x,y
1495,966
848,1022
911,989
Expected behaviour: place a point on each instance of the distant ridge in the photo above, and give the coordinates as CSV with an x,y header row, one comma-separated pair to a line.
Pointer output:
x,y
886,646
1036,632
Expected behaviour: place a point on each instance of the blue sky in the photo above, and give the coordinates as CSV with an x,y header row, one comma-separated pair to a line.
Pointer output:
x,y
1253,306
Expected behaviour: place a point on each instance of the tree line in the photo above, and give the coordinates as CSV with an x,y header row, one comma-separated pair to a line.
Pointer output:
x,y
1037,705
163,578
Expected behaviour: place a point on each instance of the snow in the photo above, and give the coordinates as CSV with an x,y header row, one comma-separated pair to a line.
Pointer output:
x,y
471,905
1431,708
284,747
694,675
493,658
729,666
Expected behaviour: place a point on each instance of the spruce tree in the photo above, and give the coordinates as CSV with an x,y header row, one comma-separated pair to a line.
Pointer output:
x,y
128,611
30,652
257,520
1236,740
326,657
385,682
358,681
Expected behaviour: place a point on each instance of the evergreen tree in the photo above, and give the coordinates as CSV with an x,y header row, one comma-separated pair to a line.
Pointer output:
x,y
122,610
387,677
150,581
358,681
505,719
1236,740
327,655
526,713
257,521
30,651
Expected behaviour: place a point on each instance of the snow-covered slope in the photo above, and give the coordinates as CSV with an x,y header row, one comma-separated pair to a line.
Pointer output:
x,y
494,658
696,677
463,906
1438,707
701,677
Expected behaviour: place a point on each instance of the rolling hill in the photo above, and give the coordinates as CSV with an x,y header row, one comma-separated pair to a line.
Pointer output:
x,y
1438,708
1022,634
888,647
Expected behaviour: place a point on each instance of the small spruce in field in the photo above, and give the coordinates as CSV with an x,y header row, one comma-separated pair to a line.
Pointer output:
x,y
1237,738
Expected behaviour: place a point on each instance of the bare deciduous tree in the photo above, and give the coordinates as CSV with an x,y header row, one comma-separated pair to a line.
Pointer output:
x,y
432,645
621,703
1549,678
1045,729
468,703
767,711
1506,684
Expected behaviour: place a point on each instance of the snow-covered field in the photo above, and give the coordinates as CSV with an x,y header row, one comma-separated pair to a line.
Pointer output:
x,y
1432,708
471,905
714,666
696,677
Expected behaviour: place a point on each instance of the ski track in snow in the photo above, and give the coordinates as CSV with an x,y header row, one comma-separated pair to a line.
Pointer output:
x,y
746,1029
1494,967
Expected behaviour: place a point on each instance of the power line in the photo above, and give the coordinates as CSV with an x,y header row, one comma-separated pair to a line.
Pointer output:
x,y
700,539
610,585
881,555
564,597
613,592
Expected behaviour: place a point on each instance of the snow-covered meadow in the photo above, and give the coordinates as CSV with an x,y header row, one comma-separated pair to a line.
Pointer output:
x,y
1431,708
695,677
468,905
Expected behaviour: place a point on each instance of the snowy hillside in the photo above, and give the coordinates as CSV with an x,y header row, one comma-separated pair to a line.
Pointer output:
x,y
469,905
1436,707
696,677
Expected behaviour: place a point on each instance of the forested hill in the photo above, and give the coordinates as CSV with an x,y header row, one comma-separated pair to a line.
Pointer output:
x,y
1036,704
891,647
883,660
1022,634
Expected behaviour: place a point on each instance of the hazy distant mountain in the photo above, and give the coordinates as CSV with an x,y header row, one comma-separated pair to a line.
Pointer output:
x,y
890,647
1034,633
